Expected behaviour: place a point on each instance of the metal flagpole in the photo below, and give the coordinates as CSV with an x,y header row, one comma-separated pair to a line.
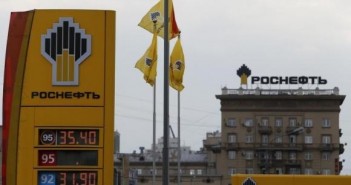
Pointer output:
x,y
154,131
179,151
154,139
166,98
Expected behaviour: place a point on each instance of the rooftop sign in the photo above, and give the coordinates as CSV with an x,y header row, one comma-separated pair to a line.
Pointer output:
x,y
244,72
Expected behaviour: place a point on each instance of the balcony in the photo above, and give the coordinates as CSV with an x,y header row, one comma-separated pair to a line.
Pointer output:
x,y
328,146
265,129
279,146
232,146
278,163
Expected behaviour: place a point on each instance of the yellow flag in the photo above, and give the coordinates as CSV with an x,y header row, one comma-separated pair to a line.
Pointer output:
x,y
156,13
177,67
147,64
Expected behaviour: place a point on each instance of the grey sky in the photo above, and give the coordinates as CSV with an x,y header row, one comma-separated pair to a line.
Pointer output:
x,y
272,37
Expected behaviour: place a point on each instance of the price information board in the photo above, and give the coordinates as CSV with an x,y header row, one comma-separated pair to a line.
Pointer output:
x,y
68,137
67,178
61,150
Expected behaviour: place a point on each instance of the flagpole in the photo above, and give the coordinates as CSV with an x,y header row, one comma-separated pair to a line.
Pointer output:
x,y
154,131
154,139
179,151
166,97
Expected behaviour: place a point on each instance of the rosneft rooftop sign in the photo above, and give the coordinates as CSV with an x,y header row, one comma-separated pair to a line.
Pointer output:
x,y
244,72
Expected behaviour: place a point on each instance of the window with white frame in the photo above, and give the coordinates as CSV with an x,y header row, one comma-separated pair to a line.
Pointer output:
x,y
325,156
292,156
264,122
249,155
151,171
326,139
192,172
278,139
231,122
249,138
308,155
292,122
231,154
139,171
248,122
232,138
278,155
231,171
279,170
199,171
278,122
326,171
326,123
292,139
308,171
265,139
308,139
308,123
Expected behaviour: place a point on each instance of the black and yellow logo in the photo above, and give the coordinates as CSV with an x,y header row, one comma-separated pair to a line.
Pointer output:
x,y
243,72
65,46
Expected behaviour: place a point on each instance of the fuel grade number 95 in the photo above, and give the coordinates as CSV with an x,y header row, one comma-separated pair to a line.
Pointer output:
x,y
67,178
69,137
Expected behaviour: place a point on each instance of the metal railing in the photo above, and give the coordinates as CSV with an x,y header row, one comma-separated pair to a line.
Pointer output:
x,y
298,91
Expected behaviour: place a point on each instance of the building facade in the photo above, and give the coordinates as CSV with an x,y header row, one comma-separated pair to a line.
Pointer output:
x,y
278,131
137,168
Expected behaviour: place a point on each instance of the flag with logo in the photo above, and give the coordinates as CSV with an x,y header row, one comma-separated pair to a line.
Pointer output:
x,y
156,16
177,67
147,64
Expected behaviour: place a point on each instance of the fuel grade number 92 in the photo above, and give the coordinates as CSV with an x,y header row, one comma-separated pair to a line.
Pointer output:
x,y
67,178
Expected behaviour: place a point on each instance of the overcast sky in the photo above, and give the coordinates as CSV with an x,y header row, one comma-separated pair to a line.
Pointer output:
x,y
272,37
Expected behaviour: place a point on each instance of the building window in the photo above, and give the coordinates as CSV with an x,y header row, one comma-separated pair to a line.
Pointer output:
x,y
278,139
231,122
278,122
308,171
294,171
308,123
279,171
199,172
326,123
231,155
249,170
264,122
231,138
139,171
192,172
308,155
326,171
308,139
249,155
249,138
326,139
292,122
151,170
265,139
292,156
231,171
248,122
278,155
292,139
325,156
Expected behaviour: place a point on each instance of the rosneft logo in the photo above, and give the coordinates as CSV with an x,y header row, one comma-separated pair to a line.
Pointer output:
x,y
65,46
243,72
